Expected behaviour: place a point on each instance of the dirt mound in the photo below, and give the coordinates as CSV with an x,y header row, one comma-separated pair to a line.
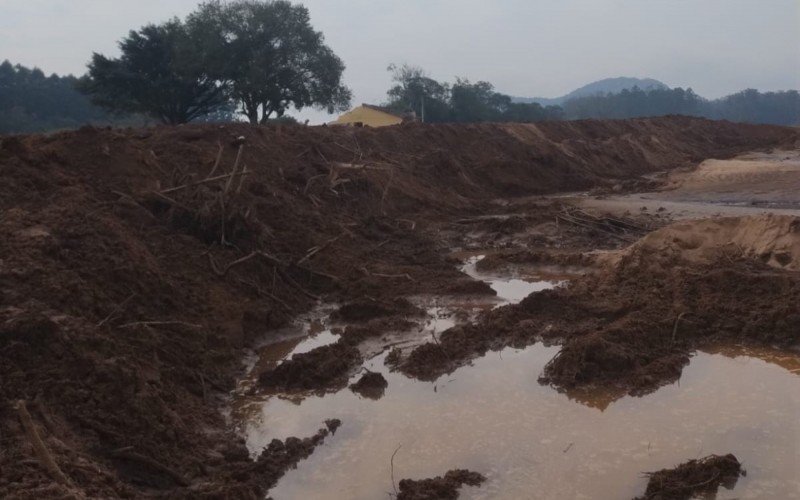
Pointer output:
x,y
439,488
772,239
634,325
693,478
371,385
326,367
135,264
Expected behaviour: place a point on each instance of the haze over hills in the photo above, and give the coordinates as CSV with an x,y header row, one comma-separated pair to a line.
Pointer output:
x,y
604,86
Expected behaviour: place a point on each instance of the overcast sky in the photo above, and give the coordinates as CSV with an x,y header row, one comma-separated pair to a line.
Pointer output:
x,y
526,48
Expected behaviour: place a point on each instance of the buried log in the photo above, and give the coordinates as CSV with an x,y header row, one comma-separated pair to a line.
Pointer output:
x,y
42,453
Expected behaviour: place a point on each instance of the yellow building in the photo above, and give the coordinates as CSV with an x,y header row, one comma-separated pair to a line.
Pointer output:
x,y
367,115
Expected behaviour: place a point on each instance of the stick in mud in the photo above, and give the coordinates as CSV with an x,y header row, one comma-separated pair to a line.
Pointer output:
x,y
45,458
116,310
391,463
216,163
197,183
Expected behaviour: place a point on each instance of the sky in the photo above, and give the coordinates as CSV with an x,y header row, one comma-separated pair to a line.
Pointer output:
x,y
527,48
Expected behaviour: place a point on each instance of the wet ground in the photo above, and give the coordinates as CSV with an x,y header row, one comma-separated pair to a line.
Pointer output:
x,y
750,184
494,417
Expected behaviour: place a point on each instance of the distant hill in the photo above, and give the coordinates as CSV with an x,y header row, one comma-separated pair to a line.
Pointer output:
x,y
605,86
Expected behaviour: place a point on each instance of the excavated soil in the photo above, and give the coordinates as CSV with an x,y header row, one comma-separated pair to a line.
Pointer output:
x,y
371,385
693,478
633,324
440,488
135,265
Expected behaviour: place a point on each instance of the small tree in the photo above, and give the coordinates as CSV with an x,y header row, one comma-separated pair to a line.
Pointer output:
x,y
158,74
414,90
270,55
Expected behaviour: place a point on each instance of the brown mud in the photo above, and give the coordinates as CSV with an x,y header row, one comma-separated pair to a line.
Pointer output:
x,y
633,324
440,488
371,385
692,478
135,265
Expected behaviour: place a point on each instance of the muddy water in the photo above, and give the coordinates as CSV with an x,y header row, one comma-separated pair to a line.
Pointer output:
x,y
530,440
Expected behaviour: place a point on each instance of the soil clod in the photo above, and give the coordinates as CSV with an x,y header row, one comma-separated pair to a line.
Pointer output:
x,y
692,478
326,367
371,385
439,488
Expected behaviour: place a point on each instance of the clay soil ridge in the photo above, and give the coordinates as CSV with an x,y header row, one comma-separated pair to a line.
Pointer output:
x,y
136,264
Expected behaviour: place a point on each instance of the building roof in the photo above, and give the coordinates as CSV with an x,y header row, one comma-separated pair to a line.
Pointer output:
x,y
382,109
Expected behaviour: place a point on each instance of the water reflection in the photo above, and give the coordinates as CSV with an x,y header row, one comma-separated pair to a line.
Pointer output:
x,y
510,290
493,417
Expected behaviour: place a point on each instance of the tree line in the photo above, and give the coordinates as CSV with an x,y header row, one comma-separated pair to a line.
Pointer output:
x,y
256,59
752,106
463,101
31,101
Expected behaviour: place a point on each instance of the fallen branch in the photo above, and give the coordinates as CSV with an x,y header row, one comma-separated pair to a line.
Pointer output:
x,y
42,453
404,275
235,169
391,463
116,309
315,250
386,190
675,327
222,272
272,260
197,183
381,275
159,323
216,163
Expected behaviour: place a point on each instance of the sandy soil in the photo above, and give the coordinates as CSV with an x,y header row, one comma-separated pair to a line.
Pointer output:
x,y
750,184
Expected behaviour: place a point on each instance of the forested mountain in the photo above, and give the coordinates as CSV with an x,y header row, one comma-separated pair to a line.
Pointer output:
x,y
464,101
752,106
600,87
31,101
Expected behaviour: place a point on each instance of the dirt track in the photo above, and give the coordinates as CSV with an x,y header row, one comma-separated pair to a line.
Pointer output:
x,y
133,271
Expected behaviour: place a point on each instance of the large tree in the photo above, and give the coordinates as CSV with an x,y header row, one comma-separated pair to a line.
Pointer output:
x,y
270,56
159,74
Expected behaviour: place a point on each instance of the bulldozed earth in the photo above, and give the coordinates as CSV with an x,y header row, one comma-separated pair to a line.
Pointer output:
x,y
140,267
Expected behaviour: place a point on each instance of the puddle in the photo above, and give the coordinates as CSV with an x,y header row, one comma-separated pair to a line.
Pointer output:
x,y
493,417
510,290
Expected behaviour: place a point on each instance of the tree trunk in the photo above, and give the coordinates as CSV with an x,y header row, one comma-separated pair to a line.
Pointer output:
x,y
265,114
250,111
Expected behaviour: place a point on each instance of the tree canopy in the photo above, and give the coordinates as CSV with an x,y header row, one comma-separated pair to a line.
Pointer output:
x,y
463,101
159,74
780,108
259,57
31,101
269,56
